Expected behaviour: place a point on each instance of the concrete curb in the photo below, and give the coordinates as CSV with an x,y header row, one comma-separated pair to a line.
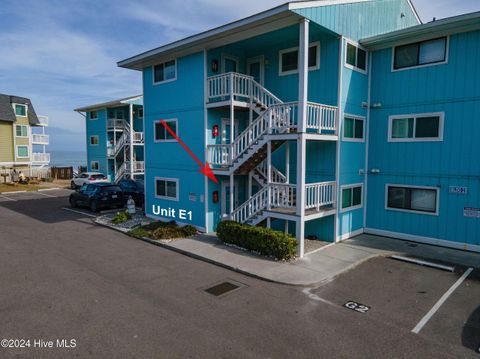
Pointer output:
x,y
239,270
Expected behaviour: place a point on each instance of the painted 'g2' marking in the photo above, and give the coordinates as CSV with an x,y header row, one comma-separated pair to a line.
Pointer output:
x,y
357,307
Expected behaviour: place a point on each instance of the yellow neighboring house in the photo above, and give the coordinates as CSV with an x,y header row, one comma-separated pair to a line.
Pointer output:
x,y
22,136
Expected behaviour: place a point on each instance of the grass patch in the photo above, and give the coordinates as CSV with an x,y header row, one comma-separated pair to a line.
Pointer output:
x,y
10,187
163,230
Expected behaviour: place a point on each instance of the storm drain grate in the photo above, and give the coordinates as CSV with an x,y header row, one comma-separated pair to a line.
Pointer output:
x,y
222,288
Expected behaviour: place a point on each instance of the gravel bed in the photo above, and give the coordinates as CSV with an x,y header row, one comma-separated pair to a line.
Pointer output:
x,y
137,219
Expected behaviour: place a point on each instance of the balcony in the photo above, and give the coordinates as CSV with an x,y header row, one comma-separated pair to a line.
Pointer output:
x,y
111,151
138,166
115,123
138,137
40,139
42,121
40,157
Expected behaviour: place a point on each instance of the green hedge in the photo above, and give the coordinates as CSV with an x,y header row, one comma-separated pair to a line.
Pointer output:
x,y
263,240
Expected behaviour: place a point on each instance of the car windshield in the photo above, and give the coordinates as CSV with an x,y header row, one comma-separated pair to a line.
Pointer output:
x,y
111,189
128,184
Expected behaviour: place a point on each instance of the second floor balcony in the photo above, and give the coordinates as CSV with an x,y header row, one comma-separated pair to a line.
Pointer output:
x,y
40,158
40,139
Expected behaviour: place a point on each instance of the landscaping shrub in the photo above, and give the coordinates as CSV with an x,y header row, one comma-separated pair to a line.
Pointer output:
x,y
163,230
167,232
263,240
121,217
188,230
139,232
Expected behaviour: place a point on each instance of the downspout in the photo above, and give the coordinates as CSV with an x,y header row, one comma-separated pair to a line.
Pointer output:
x,y
367,140
131,141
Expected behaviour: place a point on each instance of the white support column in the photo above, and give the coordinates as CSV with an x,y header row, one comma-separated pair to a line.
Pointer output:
x,y
269,172
301,141
131,140
232,191
287,161
250,184
269,223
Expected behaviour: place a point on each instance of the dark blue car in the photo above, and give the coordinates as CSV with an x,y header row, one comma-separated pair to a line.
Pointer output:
x,y
98,196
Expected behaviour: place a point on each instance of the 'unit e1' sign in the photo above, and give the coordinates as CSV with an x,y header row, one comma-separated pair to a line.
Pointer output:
x,y
471,212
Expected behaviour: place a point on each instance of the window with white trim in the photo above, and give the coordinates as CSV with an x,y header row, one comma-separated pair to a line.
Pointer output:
x,y
93,115
410,128
166,188
21,131
94,140
353,128
420,53
20,110
162,134
412,199
288,59
94,166
352,197
22,151
166,71
356,57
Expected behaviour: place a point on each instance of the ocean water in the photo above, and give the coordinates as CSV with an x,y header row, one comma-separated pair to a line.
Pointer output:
x,y
68,158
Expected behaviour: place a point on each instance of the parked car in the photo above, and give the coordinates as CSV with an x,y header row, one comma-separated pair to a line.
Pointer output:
x,y
88,177
133,188
97,196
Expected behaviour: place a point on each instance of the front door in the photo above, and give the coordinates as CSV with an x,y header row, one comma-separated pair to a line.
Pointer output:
x,y
226,130
256,68
226,197
229,64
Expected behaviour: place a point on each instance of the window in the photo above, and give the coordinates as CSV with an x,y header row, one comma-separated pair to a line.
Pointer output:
x,y
140,113
93,115
356,57
94,166
411,128
352,197
165,72
414,199
161,133
20,110
166,188
353,129
21,131
420,53
22,151
94,140
288,63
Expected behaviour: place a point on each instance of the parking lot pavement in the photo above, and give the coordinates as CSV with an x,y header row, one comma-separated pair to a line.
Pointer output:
x,y
24,196
401,294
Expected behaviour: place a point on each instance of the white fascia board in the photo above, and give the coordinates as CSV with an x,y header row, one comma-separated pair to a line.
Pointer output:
x,y
438,28
295,5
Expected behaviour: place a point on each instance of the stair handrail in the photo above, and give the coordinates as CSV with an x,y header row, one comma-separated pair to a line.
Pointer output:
x,y
255,204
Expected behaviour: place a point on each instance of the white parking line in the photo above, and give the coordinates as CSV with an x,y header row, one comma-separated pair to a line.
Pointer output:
x,y
46,195
440,302
313,296
9,199
78,212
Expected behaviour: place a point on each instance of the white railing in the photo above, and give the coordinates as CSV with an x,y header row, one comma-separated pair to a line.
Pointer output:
x,y
318,195
40,157
276,175
322,118
116,123
284,117
234,84
138,166
38,139
42,120
138,137
255,204
282,195
219,155
110,151
120,142
120,171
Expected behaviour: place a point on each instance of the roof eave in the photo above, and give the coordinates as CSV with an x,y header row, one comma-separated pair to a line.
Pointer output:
x,y
109,104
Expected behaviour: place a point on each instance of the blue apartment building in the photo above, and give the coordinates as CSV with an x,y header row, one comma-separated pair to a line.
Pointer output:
x,y
115,138
325,119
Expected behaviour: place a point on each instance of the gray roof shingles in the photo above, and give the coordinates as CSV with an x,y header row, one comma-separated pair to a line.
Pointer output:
x,y
6,109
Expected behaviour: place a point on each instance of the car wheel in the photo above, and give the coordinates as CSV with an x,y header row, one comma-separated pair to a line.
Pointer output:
x,y
73,185
93,206
73,203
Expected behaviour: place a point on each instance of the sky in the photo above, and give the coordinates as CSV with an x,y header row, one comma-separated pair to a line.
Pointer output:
x,y
62,54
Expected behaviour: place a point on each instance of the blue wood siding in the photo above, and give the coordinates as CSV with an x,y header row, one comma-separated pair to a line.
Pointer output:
x,y
362,19
98,153
182,99
454,89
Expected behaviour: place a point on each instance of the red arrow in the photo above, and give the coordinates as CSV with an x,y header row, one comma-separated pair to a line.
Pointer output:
x,y
205,169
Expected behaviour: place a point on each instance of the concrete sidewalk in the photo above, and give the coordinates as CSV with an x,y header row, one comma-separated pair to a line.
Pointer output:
x,y
318,267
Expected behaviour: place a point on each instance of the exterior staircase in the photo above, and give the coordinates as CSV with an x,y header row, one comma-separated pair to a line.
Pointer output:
x,y
248,151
